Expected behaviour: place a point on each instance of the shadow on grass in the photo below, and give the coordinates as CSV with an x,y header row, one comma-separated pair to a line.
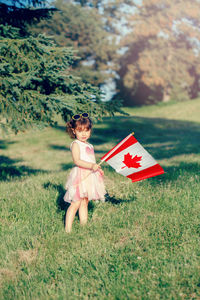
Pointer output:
x,y
58,147
116,201
172,173
66,167
9,171
60,203
163,138
4,144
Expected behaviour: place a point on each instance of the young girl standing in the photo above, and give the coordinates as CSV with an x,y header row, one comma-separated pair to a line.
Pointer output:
x,y
85,181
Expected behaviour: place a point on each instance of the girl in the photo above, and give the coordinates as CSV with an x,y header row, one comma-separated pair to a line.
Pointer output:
x,y
85,181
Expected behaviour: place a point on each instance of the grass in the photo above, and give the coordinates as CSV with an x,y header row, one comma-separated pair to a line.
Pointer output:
x,y
142,243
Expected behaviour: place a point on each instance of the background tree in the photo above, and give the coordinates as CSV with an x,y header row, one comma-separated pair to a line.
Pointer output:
x,y
17,14
162,60
37,84
79,25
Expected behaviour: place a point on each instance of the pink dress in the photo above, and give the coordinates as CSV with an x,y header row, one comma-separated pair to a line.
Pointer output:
x,y
84,183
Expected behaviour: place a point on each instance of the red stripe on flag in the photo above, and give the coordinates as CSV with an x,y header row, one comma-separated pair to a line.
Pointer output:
x,y
107,154
125,145
147,173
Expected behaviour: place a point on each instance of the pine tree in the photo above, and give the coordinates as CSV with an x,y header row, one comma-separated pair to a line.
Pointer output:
x,y
36,82
18,15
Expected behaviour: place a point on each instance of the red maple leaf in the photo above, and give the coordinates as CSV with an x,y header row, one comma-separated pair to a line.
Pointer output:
x,y
131,162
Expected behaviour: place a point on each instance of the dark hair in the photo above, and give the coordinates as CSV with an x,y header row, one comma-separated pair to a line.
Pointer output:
x,y
76,124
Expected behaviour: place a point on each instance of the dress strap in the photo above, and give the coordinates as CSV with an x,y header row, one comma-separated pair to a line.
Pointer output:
x,y
81,144
73,143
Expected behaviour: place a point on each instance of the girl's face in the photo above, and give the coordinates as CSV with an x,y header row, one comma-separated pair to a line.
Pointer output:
x,y
82,134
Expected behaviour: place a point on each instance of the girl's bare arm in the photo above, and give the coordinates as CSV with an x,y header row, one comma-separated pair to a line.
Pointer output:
x,y
81,163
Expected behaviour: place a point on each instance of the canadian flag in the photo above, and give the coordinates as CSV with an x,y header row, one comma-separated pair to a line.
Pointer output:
x,y
130,159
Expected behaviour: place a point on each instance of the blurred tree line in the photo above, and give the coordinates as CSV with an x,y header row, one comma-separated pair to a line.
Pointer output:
x,y
161,62
163,57
41,76
80,26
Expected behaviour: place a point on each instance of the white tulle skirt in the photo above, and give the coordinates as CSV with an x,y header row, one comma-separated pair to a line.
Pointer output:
x,y
84,183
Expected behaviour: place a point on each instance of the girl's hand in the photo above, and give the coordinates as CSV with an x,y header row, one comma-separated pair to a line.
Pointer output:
x,y
101,172
95,167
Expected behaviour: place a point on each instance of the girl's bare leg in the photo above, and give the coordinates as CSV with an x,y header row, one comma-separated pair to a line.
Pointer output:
x,y
83,211
71,212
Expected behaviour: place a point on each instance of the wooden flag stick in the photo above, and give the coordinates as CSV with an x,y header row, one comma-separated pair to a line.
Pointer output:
x,y
100,162
104,159
87,175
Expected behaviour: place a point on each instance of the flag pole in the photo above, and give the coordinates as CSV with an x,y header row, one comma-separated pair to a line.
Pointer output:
x,y
101,162
105,159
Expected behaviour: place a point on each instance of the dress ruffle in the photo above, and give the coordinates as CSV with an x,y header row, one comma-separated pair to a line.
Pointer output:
x,y
84,183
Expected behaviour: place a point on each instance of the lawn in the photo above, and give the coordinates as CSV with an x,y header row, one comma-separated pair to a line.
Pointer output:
x,y
142,243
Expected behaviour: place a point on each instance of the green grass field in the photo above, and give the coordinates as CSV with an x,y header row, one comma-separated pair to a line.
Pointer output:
x,y
142,243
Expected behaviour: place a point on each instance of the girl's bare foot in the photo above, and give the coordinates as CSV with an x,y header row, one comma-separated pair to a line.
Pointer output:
x,y
67,230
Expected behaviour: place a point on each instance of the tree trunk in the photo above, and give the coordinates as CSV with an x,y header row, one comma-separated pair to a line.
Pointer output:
x,y
166,95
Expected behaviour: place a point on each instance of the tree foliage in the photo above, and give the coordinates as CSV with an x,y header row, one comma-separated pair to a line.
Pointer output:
x,y
82,27
162,61
17,15
36,82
